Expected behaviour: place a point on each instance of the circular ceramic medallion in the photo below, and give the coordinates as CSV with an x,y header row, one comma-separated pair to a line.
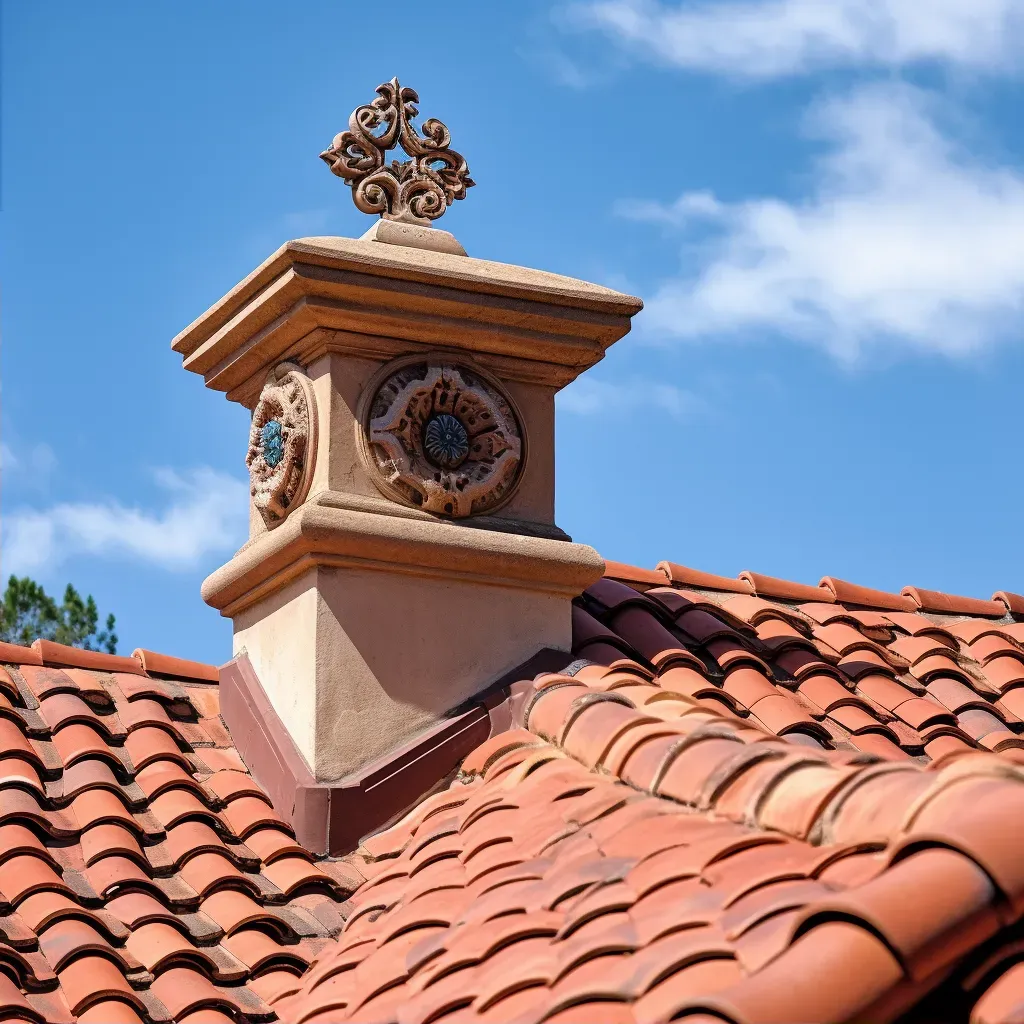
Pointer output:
x,y
282,443
442,436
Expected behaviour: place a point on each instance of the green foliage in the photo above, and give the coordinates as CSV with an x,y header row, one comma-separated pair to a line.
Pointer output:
x,y
28,612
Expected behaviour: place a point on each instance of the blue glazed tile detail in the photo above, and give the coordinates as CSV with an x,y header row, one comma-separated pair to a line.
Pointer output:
x,y
446,440
272,442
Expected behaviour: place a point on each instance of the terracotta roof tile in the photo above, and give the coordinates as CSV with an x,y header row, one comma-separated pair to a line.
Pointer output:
x,y
642,844
104,825
619,905
770,586
179,668
600,905
953,604
632,574
851,593
52,653
14,654
683,576
1014,602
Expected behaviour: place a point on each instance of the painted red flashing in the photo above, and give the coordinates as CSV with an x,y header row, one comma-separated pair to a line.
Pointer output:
x,y
61,655
157,664
334,817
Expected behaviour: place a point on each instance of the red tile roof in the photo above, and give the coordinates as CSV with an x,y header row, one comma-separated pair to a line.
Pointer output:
x,y
759,801
747,800
143,874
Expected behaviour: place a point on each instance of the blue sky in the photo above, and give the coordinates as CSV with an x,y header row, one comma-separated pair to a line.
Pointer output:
x,y
821,204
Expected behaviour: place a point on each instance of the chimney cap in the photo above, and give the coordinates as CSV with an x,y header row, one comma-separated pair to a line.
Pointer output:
x,y
530,324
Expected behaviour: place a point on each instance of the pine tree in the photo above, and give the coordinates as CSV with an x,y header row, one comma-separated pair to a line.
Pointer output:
x,y
28,613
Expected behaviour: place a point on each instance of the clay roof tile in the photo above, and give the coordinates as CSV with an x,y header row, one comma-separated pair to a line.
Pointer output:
x,y
952,604
787,590
866,597
102,771
681,575
690,835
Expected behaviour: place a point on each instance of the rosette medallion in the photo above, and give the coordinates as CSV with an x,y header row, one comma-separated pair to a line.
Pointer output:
x,y
282,443
442,436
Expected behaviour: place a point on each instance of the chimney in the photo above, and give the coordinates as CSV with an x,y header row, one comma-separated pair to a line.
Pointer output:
x,y
403,552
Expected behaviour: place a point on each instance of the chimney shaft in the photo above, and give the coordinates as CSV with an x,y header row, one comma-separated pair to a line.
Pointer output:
x,y
403,552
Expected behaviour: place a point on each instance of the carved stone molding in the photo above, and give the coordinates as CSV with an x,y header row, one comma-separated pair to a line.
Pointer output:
x,y
441,435
282,443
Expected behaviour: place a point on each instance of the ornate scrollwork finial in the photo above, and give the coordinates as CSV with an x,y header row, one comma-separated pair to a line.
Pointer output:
x,y
417,190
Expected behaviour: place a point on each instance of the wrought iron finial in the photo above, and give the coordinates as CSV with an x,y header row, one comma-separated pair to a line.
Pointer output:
x,y
417,190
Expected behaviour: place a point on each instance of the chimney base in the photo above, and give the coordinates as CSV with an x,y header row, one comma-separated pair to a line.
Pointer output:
x,y
365,630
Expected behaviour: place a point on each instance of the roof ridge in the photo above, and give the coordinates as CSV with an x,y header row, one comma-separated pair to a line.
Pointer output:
x,y
141,662
830,589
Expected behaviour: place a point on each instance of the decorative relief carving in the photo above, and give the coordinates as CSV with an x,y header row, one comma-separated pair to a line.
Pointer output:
x,y
282,443
417,190
443,437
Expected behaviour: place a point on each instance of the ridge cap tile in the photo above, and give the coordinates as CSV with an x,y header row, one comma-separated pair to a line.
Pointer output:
x,y
629,574
772,586
684,576
867,597
953,604
154,663
1014,602
56,654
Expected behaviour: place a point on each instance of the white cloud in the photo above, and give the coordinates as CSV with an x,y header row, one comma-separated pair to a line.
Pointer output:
x,y
770,38
207,511
587,396
905,239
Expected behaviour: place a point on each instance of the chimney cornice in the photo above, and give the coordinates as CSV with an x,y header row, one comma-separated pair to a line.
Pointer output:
x,y
372,299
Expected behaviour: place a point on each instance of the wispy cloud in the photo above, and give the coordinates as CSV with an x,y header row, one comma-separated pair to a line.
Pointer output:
x,y
206,511
905,239
771,38
564,70
30,463
588,396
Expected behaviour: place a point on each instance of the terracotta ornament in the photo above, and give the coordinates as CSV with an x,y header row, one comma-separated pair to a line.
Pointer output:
x,y
282,443
442,436
414,191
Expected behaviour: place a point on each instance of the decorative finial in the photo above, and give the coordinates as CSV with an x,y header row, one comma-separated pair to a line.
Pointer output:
x,y
415,191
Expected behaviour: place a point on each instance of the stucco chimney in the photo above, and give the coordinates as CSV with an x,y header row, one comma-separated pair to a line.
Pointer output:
x,y
403,552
